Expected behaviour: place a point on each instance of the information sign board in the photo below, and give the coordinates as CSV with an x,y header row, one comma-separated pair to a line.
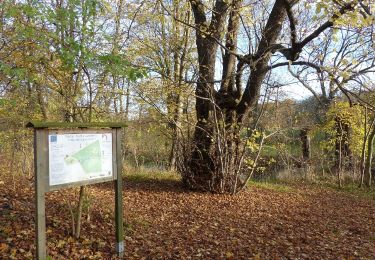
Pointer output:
x,y
79,157
76,154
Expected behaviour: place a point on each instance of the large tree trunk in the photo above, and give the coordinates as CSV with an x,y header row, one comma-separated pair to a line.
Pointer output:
x,y
216,159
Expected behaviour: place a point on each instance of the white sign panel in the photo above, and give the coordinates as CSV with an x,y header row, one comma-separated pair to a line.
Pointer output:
x,y
79,157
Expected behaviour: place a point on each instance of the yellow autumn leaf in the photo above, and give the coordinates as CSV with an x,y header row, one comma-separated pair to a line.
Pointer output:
x,y
3,247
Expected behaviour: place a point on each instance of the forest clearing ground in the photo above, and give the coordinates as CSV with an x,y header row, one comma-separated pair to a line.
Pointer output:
x,y
164,221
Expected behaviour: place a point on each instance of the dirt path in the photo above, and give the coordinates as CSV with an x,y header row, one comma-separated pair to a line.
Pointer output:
x,y
163,221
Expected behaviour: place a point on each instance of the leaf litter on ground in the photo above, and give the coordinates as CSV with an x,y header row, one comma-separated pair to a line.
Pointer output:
x,y
164,221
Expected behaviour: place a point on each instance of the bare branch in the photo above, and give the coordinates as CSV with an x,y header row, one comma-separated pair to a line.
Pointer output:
x,y
344,9
307,63
306,85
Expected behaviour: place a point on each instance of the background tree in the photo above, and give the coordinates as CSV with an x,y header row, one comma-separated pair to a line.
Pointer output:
x,y
164,45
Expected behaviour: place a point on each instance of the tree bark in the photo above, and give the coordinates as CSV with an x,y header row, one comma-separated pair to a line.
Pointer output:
x,y
179,60
305,139
343,153
368,165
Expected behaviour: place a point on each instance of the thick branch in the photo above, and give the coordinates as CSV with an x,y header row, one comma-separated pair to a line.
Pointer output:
x,y
270,34
207,38
198,10
292,23
293,52
230,44
307,63
240,68
218,18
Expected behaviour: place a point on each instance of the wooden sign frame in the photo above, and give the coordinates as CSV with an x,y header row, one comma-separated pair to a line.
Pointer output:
x,y
42,130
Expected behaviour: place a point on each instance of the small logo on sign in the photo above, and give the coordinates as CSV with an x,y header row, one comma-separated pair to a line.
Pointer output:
x,y
53,138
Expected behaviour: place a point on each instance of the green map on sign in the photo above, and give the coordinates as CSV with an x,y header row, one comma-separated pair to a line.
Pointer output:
x,y
90,158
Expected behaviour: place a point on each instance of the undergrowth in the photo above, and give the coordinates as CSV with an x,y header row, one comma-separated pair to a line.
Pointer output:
x,y
145,174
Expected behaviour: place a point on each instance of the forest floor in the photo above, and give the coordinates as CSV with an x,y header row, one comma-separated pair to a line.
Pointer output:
x,y
164,221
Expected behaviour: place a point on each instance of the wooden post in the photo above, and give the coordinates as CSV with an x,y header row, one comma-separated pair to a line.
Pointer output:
x,y
41,174
42,184
118,196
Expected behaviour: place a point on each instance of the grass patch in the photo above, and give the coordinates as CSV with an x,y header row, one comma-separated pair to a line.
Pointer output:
x,y
144,174
131,226
289,184
141,223
351,189
128,228
279,187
